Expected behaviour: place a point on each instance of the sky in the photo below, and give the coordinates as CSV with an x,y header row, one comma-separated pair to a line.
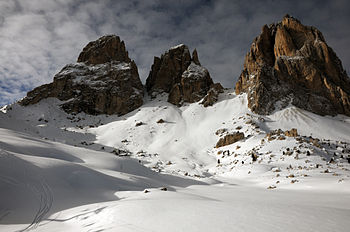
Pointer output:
x,y
39,37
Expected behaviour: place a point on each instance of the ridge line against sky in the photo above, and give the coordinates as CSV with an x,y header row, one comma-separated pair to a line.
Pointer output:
x,y
39,37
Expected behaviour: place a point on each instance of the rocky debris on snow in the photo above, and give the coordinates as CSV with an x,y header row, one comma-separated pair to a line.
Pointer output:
x,y
103,81
230,139
275,134
139,124
180,75
161,121
304,155
279,134
221,131
291,133
289,63
121,152
254,156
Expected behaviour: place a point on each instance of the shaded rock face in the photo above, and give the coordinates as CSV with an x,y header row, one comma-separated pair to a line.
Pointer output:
x,y
103,81
212,95
289,63
180,75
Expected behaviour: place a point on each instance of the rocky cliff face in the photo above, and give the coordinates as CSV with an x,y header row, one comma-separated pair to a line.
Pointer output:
x,y
289,63
180,75
103,81
105,49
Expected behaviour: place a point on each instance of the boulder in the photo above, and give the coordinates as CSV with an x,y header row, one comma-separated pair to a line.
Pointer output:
x,y
289,63
291,133
229,139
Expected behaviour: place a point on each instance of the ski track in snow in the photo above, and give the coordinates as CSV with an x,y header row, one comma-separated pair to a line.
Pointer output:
x,y
45,195
36,185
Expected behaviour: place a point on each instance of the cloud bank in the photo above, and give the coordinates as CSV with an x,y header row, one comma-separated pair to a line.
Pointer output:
x,y
38,37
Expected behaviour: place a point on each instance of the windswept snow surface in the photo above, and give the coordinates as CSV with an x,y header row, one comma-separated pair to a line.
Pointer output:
x,y
61,172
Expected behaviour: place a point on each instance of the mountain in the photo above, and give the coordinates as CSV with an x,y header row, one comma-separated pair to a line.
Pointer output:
x,y
182,77
103,81
93,152
289,63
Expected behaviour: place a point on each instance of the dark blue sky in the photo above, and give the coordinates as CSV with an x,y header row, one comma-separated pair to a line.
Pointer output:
x,y
38,37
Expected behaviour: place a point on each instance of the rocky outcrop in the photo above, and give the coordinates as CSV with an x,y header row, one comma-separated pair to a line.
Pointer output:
x,y
289,63
193,86
291,133
106,49
180,75
104,81
212,95
229,139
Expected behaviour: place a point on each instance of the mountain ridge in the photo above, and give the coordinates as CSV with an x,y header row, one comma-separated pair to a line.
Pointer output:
x,y
289,63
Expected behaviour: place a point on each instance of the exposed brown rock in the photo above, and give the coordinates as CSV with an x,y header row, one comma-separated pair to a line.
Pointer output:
x,y
221,131
175,95
291,63
195,57
291,133
112,87
279,134
180,75
106,49
254,156
194,85
167,70
212,95
161,121
139,124
229,139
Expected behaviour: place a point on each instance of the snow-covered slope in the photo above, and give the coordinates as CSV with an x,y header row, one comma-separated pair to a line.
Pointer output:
x,y
61,172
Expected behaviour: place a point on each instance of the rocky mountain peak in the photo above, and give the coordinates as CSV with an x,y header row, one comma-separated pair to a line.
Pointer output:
x,y
104,81
290,63
105,49
181,75
195,58
167,70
